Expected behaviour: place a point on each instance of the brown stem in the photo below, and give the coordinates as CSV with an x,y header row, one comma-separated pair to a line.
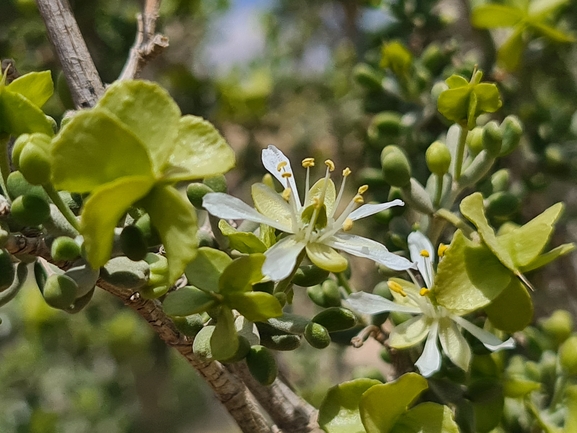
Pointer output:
x,y
81,74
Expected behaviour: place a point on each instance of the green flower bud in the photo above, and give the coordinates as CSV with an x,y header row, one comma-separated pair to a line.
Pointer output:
x,y
438,158
241,352
500,180
158,278
558,326
59,291
385,127
331,293
336,319
367,77
502,205
289,323
19,144
148,231
32,158
64,249
196,192
512,129
132,243
262,365
309,275
317,335
474,140
396,167
7,271
492,138
189,325
30,210
216,183
276,339
17,185
417,197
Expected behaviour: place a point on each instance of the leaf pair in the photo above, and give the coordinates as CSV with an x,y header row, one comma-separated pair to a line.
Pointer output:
x,y
132,147
368,406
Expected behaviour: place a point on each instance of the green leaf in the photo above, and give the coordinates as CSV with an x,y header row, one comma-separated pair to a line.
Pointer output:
x,y
552,33
186,301
200,151
94,149
512,310
398,58
339,411
255,306
473,209
175,220
102,211
427,418
488,401
205,270
148,111
241,274
395,397
224,341
571,404
539,9
548,257
19,116
37,87
526,242
469,276
243,242
510,53
494,15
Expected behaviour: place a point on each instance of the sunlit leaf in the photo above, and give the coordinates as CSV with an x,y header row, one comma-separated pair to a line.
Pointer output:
x,y
37,87
427,418
244,242
241,274
255,306
19,116
512,310
205,270
548,257
490,16
224,341
454,103
186,301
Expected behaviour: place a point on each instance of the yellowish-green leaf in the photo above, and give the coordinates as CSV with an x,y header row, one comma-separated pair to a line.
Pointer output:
x,y
186,301
488,98
427,418
241,274
205,270
224,341
455,81
512,310
454,103
255,306
495,15
19,116
552,33
244,242
571,404
548,257
37,87
510,53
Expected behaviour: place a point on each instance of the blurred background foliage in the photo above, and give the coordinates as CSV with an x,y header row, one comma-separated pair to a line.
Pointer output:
x,y
329,78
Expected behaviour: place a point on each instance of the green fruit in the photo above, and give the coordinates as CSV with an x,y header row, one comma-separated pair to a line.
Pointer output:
x,y
19,144
559,326
336,319
502,205
17,185
158,269
133,243
189,325
262,365
309,275
148,231
382,289
7,271
277,340
500,180
492,138
367,76
438,158
216,183
475,140
396,167
317,335
385,127
331,293
34,164
64,249
30,210
288,323
512,132
80,302
316,295
196,192
59,291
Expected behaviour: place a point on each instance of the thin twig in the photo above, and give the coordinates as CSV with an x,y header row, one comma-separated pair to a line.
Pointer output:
x,y
147,45
81,74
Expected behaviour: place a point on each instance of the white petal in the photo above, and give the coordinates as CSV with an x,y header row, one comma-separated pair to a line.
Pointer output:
x,y
454,344
271,158
367,303
281,258
430,361
490,341
226,206
363,247
371,209
418,242
410,333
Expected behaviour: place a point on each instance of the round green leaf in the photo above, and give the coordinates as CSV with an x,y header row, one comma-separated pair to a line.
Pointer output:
x,y
19,116
205,270
255,306
427,418
241,274
186,301
224,341
508,319
37,87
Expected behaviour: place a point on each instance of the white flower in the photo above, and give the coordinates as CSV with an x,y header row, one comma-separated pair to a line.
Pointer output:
x,y
433,321
312,225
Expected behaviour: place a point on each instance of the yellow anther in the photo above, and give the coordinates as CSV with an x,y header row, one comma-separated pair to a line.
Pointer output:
x,y
286,175
362,189
425,253
396,287
308,162
424,291
348,224
330,164
281,165
358,199
346,172
442,250
286,194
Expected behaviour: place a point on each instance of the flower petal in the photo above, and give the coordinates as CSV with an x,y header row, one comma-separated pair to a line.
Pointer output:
x,y
411,332
454,344
271,204
363,247
271,158
371,209
281,258
489,340
320,187
418,242
430,361
326,258
367,303
226,206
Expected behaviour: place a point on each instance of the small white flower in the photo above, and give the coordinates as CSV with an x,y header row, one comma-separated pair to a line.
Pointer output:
x,y
433,321
312,225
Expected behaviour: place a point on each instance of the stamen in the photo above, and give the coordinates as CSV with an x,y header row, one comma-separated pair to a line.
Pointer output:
x,y
281,165
362,189
346,172
442,250
308,162
396,287
358,199
425,253
317,202
286,194
330,164
348,224
424,291
286,175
